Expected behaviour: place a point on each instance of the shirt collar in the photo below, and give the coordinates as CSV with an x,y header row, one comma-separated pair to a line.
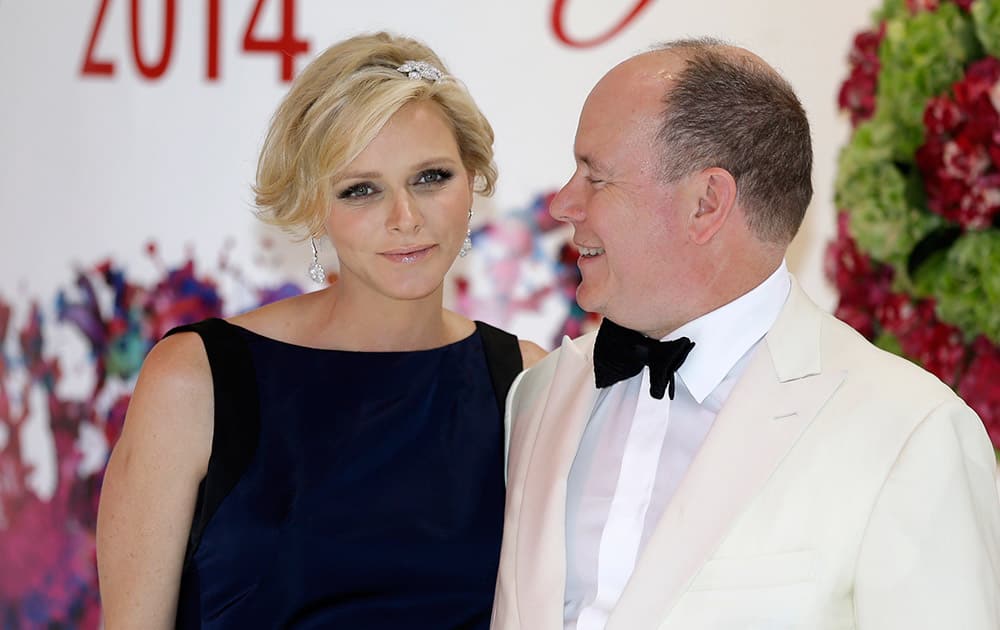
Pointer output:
x,y
724,335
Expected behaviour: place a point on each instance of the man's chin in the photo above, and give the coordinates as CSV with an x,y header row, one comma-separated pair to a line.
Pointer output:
x,y
588,300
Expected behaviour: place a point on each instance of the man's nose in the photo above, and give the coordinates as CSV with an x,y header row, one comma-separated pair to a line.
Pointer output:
x,y
566,205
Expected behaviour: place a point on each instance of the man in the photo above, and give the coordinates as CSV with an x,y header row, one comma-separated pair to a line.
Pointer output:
x,y
788,474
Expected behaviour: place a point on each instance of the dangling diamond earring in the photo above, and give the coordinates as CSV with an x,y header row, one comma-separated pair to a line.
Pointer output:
x,y
316,271
467,243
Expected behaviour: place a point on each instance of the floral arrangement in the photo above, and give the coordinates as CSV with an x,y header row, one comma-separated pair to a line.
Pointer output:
x,y
916,258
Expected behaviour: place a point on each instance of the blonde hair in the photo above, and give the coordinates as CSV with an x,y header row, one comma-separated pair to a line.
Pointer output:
x,y
336,107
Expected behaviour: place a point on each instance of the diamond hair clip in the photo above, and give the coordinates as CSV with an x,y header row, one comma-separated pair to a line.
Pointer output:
x,y
421,70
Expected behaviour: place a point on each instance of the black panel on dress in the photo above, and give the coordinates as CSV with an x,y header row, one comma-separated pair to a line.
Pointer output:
x,y
503,358
237,418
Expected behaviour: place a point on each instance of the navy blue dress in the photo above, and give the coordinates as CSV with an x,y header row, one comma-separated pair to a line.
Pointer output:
x,y
349,489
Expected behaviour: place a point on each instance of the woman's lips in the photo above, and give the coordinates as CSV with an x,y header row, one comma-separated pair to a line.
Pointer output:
x,y
408,255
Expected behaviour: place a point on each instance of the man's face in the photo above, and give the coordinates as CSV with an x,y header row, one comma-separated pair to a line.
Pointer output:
x,y
629,225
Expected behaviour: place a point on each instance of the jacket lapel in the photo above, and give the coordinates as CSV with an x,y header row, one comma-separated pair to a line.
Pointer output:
x,y
540,575
778,396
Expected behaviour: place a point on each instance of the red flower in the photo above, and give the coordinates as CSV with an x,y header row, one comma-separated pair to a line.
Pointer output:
x,y
980,387
942,115
916,6
857,93
961,153
863,283
982,202
896,314
979,79
964,160
844,262
936,346
857,317
983,122
865,51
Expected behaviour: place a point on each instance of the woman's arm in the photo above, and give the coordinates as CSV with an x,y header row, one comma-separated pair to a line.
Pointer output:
x,y
151,485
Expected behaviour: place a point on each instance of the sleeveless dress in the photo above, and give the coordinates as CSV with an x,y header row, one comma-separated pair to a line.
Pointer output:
x,y
349,489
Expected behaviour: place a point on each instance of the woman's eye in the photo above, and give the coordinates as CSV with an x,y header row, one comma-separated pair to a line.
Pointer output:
x,y
357,191
434,176
594,181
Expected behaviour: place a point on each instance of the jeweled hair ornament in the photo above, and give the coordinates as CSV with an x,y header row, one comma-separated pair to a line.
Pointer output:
x,y
421,70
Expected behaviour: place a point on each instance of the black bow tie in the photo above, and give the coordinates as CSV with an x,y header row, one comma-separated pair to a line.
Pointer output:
x,y
620,353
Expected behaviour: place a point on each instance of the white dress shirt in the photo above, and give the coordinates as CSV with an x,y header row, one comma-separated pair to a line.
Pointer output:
x,y
636,449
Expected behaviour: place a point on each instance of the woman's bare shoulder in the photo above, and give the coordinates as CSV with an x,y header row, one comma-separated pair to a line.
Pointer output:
x,y
151,484
279,320
531,352
171,410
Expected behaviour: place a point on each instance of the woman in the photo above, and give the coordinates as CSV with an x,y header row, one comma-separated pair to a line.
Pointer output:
x,y
334,460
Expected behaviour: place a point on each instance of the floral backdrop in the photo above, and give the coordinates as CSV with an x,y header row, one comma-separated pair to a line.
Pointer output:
x,y
48,574
916,259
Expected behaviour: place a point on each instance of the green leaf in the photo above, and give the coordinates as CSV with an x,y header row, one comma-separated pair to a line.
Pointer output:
x,y
921,56
885,221
967,285
890,10
889,342
986,16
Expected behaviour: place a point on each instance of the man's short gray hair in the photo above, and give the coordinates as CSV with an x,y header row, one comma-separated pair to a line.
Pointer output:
x,y
729,110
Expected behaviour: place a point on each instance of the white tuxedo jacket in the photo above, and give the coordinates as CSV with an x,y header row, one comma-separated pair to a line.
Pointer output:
x,y
840,487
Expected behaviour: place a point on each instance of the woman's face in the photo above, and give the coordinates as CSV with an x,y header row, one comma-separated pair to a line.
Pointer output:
x,y
401,208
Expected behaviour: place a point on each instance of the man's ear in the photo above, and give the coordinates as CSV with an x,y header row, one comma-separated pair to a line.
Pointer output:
x,y
716,198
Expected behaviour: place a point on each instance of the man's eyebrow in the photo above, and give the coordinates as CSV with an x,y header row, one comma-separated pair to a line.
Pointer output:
x,y
592,164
